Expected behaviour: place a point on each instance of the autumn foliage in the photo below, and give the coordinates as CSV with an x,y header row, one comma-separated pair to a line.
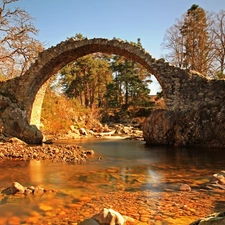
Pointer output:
x,y
60,113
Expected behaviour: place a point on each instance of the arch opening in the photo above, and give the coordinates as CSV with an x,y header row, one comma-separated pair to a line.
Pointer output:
x,y
135,112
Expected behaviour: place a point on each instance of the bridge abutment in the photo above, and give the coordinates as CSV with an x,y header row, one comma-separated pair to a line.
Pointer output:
x,y
14,121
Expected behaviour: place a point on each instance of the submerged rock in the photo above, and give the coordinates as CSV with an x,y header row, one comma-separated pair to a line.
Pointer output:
x,y
17,188
219,178
217,181
184,187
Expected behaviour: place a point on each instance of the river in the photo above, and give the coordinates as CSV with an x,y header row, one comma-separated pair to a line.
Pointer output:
x,y
118,166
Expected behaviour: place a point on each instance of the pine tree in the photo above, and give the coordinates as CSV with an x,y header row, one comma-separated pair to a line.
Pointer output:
x,y
86,79
130,83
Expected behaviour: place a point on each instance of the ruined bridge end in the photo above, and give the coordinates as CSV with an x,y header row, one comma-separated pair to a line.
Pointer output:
x,y
13,118
199,120
183,89
190,90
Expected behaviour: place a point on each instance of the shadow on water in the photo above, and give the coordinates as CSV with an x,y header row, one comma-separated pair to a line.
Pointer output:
x,y
192,157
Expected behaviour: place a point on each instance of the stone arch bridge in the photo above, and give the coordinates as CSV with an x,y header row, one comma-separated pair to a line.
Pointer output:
x,y
21,98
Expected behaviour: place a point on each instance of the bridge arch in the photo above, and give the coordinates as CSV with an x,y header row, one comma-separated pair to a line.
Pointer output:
x,y
27,91
53,59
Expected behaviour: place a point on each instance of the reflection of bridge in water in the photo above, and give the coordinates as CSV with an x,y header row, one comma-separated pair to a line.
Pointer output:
x,y
36,174
21,98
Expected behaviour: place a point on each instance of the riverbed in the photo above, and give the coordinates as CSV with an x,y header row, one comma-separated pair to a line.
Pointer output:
x,y
138,181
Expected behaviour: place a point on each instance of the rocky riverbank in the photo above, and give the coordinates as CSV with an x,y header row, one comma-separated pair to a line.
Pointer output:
x,y
18,150
114,130
13,148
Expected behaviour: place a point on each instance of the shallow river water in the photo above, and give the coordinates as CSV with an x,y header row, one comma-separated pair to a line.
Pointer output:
x,y
120,169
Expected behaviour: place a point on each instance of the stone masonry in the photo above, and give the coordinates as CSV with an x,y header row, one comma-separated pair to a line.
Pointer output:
x,y
21,98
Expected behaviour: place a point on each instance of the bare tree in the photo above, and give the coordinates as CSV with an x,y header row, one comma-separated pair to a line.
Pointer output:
x,y
174,41
18,46
217,31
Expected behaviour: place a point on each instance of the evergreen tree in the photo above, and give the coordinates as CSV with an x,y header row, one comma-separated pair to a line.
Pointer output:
x,y
130,83
86,79
106,80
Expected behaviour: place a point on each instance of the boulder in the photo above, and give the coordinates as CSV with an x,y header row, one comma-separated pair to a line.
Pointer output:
x,y
17,188
83,131
15,140
109,217
219,178
217,181
184,187
213,219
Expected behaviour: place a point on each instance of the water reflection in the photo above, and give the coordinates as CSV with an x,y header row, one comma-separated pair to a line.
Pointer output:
x,y
36,173
153,176
126,166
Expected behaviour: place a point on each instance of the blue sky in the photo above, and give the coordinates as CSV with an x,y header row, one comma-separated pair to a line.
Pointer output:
x,y
125,19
